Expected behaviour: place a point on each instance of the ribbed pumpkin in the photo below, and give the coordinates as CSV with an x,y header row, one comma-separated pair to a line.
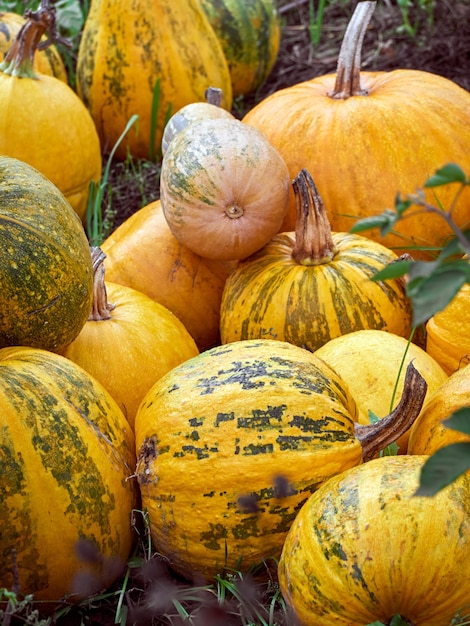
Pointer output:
x,y
195,112
46,272
42,120
366,136
46,61
364,549
224,189
250,34
312,285
142,253
129,341
448,333
232,442
428,434
66,453
127,47
373,364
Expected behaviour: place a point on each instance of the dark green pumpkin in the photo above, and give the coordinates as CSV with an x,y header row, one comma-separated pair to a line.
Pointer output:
x,y
45,262
250,33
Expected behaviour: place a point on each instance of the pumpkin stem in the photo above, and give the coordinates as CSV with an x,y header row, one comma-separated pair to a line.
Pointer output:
x,y
101,307
213,96
314,243
376,437
348,77
18,60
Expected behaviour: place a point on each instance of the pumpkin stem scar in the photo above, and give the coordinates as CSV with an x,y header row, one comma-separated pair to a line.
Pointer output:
x,y
147,454
376,437
348,78
234,211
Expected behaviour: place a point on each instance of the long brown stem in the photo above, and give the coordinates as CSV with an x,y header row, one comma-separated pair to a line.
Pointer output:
x,y
376,437
348,77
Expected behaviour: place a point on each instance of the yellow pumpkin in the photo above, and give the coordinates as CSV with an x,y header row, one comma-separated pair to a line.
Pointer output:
x,y
224,189
129,341
142,253
46,61
364,549
428,434
127,47
448,333
373,364
232,442
66,456
312,285
43,122
366,136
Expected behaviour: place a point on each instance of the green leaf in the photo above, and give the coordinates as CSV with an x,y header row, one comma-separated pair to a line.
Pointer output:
x,y
459,420
450,173
454,246
432,294
393,270
384,222
443,467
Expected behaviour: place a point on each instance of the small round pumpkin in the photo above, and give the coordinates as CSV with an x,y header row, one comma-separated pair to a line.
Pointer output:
x,y
232,442
448,333
143,253
428,433
364,548
250,35
46,61
66,454
312,285
45,271
129,341
367,136
42,120
373,364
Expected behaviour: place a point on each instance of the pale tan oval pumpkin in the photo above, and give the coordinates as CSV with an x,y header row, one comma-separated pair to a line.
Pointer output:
x,y
364,549
224,189
366,136
142,253
232,442
129,341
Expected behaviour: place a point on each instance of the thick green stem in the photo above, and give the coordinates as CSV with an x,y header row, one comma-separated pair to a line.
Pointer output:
x,y
348,77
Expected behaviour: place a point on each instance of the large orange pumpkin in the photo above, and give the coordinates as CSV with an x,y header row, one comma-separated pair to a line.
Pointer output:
x,y
366,136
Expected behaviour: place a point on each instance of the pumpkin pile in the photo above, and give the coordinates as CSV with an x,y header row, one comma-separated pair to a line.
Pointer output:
x,y
223,360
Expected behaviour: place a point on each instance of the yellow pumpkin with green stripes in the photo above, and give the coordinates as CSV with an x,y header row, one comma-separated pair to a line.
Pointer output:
x,y
231,443
364,549
66,456
250,34
312,285
150,58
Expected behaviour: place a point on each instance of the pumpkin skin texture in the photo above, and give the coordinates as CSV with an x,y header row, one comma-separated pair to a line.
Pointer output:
x,y
369,362
46,271
231,443
142,253
428,433
66,452
448,333
387,137
363,548
250,34
168,41
47,61
309,286
223,188
129,342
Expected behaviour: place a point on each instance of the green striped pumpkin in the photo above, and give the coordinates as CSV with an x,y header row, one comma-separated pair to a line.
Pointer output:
x,y
364,549
250,34
66,453
309,286
232,442
46,274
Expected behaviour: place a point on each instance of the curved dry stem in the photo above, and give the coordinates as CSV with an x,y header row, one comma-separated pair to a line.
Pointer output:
x,y
101,307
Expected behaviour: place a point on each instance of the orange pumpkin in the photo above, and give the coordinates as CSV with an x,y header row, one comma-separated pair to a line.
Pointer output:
x,y
224,189
129,341
142,253
366,136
